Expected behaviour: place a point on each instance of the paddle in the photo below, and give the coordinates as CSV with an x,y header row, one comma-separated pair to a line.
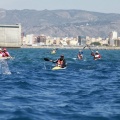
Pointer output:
x,y
84,47
90,48
82,50
46,59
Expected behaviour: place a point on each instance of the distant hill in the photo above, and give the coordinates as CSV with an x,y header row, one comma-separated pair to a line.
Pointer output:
x,y
62,23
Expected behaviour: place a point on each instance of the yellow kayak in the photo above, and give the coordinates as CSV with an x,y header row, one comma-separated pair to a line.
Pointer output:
x,y
53,52
58,68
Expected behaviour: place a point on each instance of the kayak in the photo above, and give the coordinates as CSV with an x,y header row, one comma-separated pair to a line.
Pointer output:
x,y
58,68
53,52
97,58
5,58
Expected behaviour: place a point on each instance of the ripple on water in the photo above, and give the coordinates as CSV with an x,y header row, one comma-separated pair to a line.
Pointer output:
x,y
86,90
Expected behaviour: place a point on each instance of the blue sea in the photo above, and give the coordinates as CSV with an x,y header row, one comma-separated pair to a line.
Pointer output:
x,y
85,90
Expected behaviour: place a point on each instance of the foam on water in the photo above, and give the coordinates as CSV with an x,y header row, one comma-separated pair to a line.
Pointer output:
x,y
4,68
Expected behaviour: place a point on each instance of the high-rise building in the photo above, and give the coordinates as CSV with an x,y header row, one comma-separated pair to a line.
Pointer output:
x,y
112,38
79,40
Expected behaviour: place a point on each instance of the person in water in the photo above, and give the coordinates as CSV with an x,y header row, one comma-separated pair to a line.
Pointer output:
x,y
96,55
5,53
61,62
80,55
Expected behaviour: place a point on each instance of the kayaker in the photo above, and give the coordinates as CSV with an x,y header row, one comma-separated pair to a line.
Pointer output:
x,y
5,53
53,51
96,55
80,55
61,62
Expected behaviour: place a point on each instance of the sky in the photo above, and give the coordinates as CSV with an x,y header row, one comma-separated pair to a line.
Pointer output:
x,y
103,6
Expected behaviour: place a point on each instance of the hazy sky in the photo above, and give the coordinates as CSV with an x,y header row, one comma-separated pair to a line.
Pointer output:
x,y
104,6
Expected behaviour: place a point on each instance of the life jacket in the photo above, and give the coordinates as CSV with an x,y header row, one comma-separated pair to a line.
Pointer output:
x,y
80,56
97,56
6,54
60,63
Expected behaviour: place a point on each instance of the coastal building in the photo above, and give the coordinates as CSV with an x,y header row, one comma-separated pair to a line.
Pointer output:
x,y
112,38
49,42
93,40
73,41
41,40
81,40
88,40
117,43
52,41
63,42
104,42
30,39
56,41
100,40
10,35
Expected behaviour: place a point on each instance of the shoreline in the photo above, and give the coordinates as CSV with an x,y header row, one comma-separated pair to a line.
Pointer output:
x,y
74,47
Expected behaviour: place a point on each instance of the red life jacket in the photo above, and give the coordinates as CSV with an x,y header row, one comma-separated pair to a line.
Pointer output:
x,y
98,56
60,63
6,54
80,56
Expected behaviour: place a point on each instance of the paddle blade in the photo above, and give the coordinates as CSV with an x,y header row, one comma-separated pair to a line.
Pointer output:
x,y
84,47
46,59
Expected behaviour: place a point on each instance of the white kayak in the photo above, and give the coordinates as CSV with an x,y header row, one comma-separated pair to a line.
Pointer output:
x,y
58,68
97,58
5,58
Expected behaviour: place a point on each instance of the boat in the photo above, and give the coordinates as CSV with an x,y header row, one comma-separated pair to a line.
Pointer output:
x,y
58,68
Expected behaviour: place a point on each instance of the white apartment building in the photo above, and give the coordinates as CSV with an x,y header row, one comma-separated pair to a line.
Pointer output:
x,y
28,39
112,37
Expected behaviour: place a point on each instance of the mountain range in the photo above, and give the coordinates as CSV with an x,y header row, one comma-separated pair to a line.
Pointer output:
x,y
62,23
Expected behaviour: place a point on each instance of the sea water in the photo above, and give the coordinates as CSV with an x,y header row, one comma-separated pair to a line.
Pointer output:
x,y
86,90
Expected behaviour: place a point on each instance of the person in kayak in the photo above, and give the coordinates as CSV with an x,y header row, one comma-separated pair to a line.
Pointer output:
x,y
5,53
61,62
80,55
53,51
96,55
